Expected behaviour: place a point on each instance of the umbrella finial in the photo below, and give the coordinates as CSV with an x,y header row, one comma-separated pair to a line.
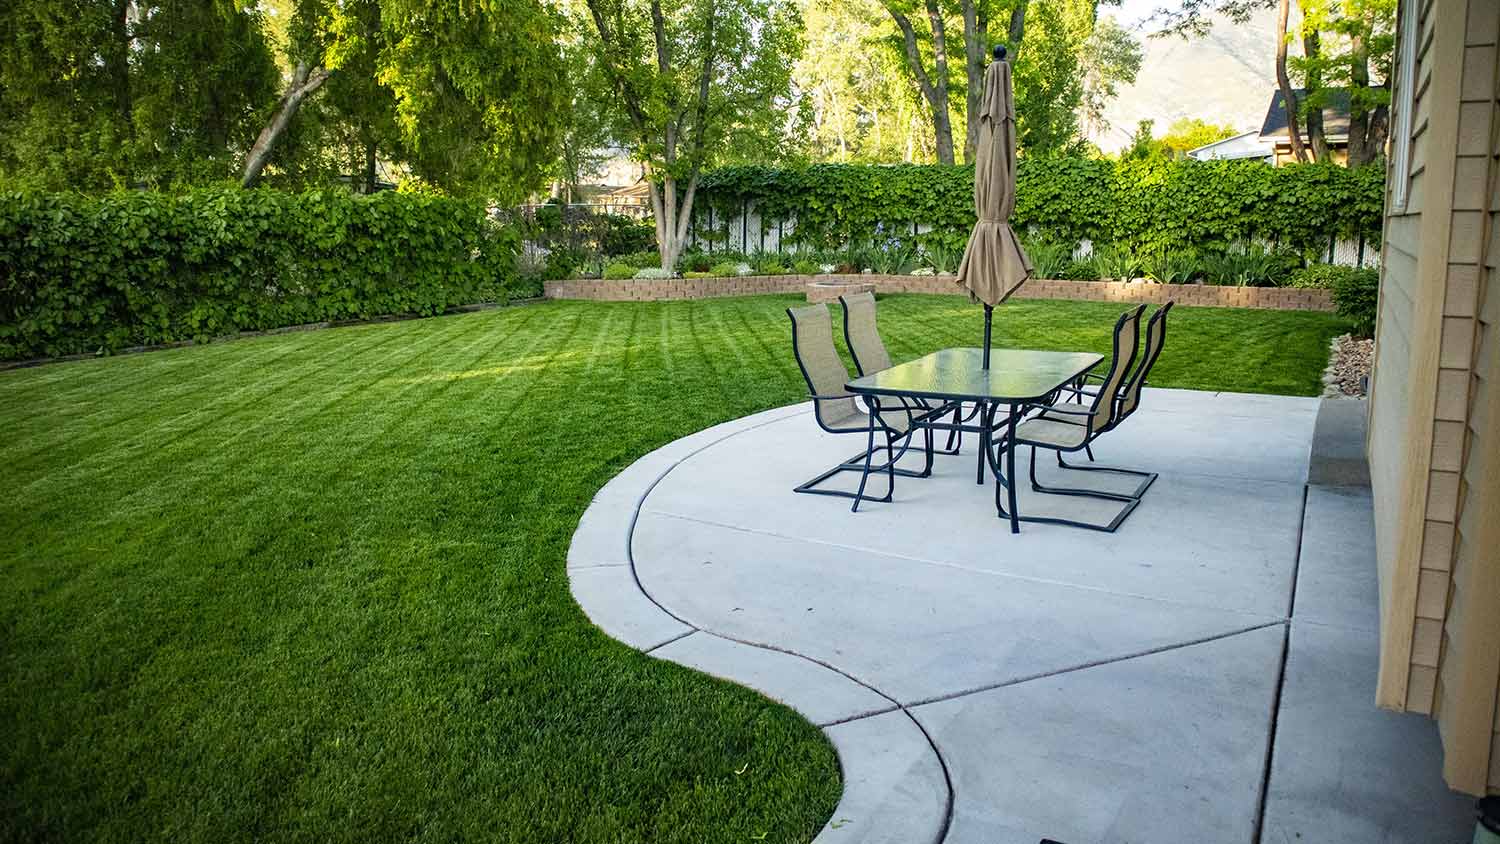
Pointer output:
x,y
999,52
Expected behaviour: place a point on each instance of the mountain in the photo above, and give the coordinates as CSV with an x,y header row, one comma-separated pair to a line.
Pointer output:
x,y
1226,76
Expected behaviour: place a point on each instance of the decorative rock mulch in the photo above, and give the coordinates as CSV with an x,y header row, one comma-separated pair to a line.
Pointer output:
x,y
1348,372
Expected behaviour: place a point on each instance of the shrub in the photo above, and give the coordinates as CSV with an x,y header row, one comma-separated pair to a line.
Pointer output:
x,y
727,269
1082,269
1115,261
1322,275
893,259
1356,296
698,262
767,263
639,260
697,274
806,267
96,274
1247,265
1170,266
626,236
652,272
618,272
941,257
1049,259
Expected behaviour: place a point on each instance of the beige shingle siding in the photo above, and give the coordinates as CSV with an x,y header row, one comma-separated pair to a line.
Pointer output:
x,y
1469,654
1435,411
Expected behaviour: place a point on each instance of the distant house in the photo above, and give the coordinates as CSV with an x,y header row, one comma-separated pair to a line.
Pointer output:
x,y
1243,145
1335,127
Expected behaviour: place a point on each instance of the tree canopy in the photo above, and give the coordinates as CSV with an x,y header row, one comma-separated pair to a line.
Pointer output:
x,y
99,94
698,82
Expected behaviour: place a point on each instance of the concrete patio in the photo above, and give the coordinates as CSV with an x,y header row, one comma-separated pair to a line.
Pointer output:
x,y
1205,674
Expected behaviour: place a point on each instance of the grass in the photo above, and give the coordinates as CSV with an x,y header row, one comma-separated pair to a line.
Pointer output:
x,y
311,587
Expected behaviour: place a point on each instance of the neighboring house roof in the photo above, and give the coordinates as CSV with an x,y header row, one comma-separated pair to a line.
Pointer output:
x,y
1335,116
1244,145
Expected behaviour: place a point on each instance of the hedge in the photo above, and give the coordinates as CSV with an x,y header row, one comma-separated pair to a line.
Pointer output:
x,y
96,274
1148,204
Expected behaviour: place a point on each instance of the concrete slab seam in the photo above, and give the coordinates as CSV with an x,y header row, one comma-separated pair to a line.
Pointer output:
x,y
1097,663
678,638
947,821
1286,648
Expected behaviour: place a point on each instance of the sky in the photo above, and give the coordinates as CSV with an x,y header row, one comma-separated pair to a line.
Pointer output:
x,y
1131,12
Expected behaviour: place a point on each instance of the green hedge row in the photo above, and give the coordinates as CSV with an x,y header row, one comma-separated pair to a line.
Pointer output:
x,y
95,274
1150,205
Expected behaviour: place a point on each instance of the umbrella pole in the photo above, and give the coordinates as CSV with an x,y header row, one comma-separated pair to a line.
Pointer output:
x,y
989,313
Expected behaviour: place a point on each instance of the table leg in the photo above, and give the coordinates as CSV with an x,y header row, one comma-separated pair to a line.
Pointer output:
x,y
986,416
1010,469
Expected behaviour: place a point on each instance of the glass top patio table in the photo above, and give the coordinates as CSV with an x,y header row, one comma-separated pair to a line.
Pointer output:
x,y
1014,376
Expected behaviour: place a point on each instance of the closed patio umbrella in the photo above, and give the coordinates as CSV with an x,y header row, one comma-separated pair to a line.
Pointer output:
x,y
994,264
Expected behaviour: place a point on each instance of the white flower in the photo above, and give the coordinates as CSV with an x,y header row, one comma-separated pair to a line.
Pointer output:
x,y
653,272
827,268
922,271
742,269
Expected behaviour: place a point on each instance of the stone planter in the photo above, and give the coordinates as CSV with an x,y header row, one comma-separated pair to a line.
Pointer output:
x,y
830,291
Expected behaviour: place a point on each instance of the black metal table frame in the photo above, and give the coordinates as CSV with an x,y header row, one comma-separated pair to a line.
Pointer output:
x,y
986,408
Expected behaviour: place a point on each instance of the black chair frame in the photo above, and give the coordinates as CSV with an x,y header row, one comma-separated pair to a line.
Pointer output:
x,y
864,461
1003,486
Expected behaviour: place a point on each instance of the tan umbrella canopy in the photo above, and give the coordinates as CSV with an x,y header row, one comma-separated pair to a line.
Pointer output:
x,y
994,264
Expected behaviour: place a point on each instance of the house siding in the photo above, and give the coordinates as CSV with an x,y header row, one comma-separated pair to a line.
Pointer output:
x,y
1407,387
1435,409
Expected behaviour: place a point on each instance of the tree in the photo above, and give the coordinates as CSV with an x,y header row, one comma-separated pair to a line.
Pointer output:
x,y
476,93
698,82
97,94
1110,56
1144,145
1189,133
932,85
582,145
1347,43
1347,46
860,103
1284,85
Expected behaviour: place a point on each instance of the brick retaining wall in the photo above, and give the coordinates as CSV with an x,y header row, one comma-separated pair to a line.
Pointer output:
x,y
1201,295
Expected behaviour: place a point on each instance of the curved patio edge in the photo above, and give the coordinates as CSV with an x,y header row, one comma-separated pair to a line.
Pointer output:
x,y
895,787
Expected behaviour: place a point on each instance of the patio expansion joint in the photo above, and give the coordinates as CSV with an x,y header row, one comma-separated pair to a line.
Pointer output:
x,y
896,705
1202,640
1286,647
1267,618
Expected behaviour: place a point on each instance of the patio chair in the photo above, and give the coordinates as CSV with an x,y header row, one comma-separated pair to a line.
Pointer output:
x,y
1129,397
838,412
1074,425
862,334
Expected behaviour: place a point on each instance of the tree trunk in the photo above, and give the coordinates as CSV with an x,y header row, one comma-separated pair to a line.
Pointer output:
x,y
304,84
976,28
369,174
1360,149
1315,134
1284,83
1017,28
936,95
1380,125
940,60
119,67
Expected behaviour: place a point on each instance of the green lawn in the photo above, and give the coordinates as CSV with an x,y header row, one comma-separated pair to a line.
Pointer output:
x,y
311,586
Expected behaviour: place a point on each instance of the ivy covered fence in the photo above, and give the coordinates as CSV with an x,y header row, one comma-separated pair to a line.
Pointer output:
x,y
1149,205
